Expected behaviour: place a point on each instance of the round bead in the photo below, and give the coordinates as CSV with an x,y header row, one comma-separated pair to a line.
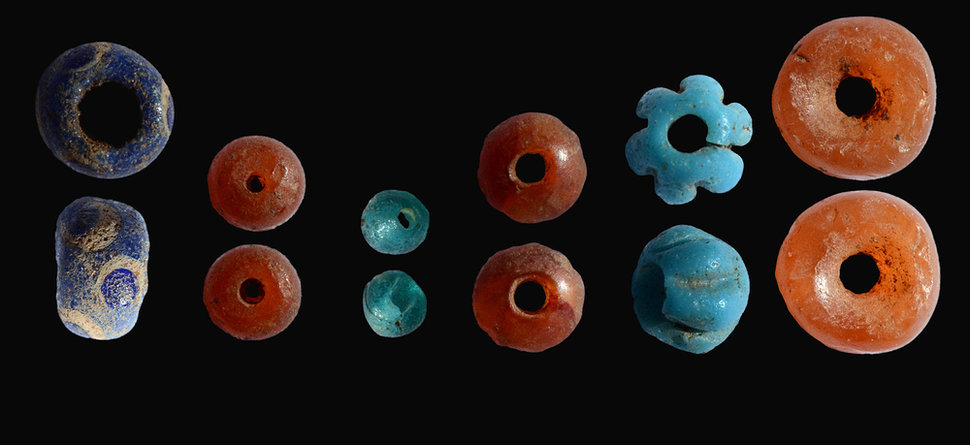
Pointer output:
x,y
394,222
394,304
252,292
689,289
678,173
887,63
256,183
528,329
133,92
537,137
888,232
102,267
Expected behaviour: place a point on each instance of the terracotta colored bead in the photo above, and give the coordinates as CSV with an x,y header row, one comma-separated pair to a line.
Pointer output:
x,y
256,183
494,302
252,292
875,141
899,242
525,136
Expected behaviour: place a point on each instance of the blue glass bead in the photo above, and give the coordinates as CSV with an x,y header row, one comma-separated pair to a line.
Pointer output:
x,y
394,222
689,289
394,304
677,174
102,267
69,79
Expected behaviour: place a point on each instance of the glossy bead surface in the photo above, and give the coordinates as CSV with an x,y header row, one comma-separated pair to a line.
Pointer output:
x,y
394,222
70,78
689,289
895,237
256,183
494,304
524,136
102,267
881,138
252,292
678,173
394,304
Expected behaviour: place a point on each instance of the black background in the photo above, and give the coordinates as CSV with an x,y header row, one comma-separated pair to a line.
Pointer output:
x,y
372,98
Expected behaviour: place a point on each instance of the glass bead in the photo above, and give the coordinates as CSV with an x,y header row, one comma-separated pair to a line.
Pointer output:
x,y
394,304
394,222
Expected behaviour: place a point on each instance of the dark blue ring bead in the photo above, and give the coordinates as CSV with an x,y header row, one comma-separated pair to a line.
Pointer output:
x,y
76,72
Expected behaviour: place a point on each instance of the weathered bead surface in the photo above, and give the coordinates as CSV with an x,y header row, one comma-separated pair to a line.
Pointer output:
x,y
678,173
881,138
895,237
252,292
394,304
689,289
563,175
494,304
394,222
70,78
102,267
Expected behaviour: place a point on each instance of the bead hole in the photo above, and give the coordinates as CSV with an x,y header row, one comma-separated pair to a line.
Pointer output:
x,y
859,273
855,96
688,134
529,296
110,113
255,183
404,219
530,167
252,291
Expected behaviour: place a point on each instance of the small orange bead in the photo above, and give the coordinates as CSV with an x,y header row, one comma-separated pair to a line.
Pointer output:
x,y
252,292
561,171
895,237
256,183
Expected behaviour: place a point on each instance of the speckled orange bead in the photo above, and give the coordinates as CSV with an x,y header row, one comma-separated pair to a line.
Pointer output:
x,y
896,238
256,183
495,308
252,292
865,145
527,200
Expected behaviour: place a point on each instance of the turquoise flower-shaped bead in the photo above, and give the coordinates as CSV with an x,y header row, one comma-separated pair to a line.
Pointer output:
x,y
677,173
689,289
394,304
394,222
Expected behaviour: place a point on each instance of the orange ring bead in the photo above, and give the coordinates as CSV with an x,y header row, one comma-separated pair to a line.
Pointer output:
x,y
889,65
898,241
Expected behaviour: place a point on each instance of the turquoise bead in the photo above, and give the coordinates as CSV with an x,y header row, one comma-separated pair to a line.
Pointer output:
x,y
394,304
394,222
689,289
677,174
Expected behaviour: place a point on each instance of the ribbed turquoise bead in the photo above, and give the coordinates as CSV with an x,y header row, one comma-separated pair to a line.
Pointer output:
x,y
394,304
394,222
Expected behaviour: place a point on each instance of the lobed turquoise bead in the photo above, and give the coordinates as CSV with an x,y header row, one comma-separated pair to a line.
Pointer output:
x,y
689,289
677,174
394,304
394,222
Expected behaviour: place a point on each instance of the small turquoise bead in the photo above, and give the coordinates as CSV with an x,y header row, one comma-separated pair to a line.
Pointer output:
x,y
394,304
677,174
394,222
689,289
102,267
78,71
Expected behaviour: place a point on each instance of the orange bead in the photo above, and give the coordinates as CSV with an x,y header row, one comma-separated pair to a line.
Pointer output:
x,y
252,292
871,57
531,329
560,171
256,183
888,233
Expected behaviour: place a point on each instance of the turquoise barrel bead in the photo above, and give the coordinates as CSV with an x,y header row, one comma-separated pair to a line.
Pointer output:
x,y
678,173
102,267
394,222
689,289
394,304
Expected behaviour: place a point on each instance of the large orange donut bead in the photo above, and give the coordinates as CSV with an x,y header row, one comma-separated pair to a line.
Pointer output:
x,y
874,56
877,227
530,329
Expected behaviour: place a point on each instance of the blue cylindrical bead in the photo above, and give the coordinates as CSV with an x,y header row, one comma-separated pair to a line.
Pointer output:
x,y
394,222
394,304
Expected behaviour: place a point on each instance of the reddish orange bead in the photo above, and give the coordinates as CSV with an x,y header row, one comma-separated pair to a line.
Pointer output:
x,y
532,329
256,183
252,292
525,137
895,237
